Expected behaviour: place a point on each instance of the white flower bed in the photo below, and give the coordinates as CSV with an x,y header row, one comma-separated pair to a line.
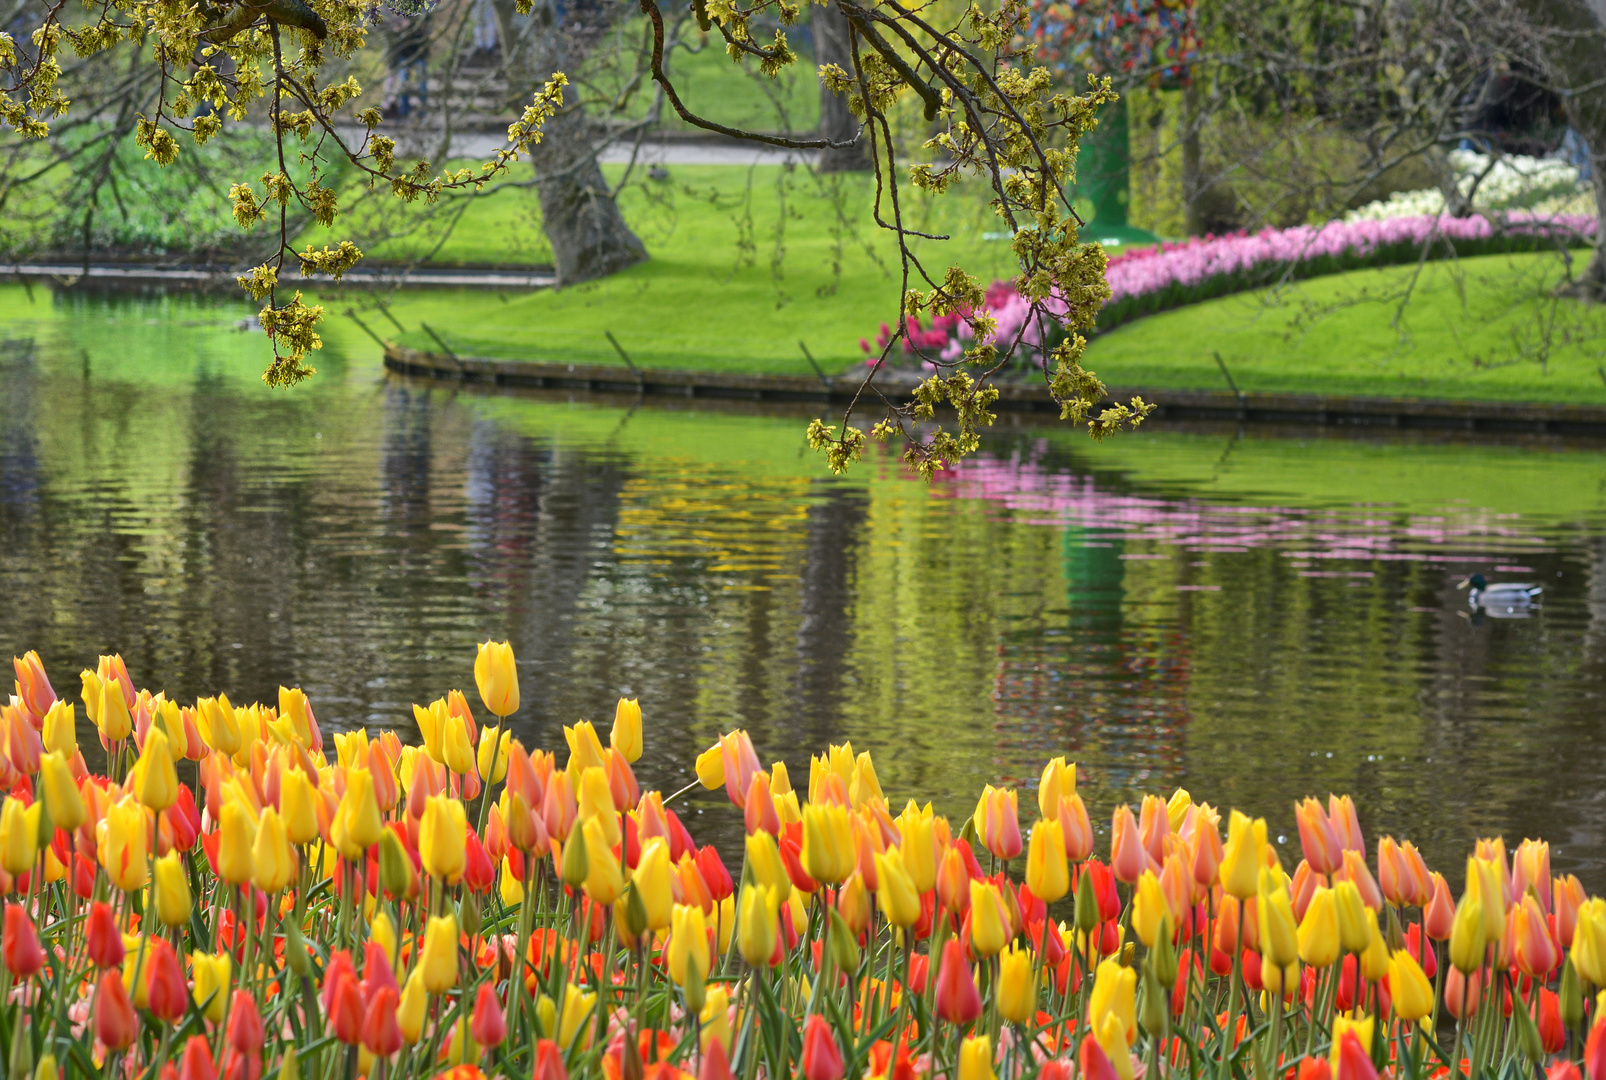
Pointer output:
x,y
1545,185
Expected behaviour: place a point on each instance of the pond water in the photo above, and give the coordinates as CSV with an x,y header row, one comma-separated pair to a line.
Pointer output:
x,y
1254,615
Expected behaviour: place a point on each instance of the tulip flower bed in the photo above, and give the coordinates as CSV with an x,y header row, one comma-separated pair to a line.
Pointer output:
x,y
1147,281
292,916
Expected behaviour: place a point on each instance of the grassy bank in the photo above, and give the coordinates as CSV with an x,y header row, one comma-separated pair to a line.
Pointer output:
x,y
1487,329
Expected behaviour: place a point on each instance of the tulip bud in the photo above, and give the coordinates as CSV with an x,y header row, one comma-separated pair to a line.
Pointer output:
x,y
295,950
626,734
576,863
1163,957
1087,903
468,912
396,875
1570,996
496,676
844,943
1154,1012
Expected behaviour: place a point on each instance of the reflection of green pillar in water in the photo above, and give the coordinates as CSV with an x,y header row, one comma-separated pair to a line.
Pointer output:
x,y
1104,179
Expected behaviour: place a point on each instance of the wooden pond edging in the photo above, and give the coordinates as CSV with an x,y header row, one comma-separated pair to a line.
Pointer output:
x,y
1312,409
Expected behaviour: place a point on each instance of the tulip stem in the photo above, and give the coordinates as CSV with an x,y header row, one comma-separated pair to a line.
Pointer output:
x,y
1230,1036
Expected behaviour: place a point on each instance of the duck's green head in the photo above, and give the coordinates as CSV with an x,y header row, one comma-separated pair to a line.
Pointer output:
x,y
1477,583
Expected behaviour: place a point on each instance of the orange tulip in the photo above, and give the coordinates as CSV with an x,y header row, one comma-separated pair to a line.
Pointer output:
x,y
1438,918
1320,841
1532,948
1078,830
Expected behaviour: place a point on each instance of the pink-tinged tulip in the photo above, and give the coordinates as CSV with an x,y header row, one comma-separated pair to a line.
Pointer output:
x,y
822,1058
1154,825
549,1061
759,812
957,1000
715,1066
1530,865
997,819
488,1026
1317,837
1569,897
1095,1063
559,808
741,762
1341,812
1532,949
20,943
1206,853
116,1026
1418,884
1391,872
1595,1050
1355,870
1301,888
1077,828
33,686
1438,918
1462,993
381,1033
1128,859
197,1062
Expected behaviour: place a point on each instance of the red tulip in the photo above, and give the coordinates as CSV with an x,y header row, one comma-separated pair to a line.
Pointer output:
x,y
478,872
1094,1061
1057,1069
244,1031
197,1061
167,994
376,971
958,1002
115,1023
822,1058
339,967
549,1061
346,1011
1315,1068
489,1026
1563,1070
714,873
791,858
1595,1050
184,818
19,944
1551,1032
1428,957
380,1032
1353,1061
105,942
83,876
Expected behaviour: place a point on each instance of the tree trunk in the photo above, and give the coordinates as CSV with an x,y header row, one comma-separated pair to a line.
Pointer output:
x,y
1574,49
589,236
831,46
1192,162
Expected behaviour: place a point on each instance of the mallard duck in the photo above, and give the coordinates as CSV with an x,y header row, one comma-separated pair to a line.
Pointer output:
x,y
1505,598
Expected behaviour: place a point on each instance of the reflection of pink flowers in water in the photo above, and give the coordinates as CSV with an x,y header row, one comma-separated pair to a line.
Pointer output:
x,y
1198,261
1032,493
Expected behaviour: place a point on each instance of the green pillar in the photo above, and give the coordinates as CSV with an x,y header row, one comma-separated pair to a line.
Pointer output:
x,y
1104,179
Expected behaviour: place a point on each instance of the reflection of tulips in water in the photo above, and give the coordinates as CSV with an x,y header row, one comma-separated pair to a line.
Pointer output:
x,y
467,908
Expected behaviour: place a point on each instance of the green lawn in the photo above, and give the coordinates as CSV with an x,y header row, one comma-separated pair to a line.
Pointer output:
x,y
745,264
1484,328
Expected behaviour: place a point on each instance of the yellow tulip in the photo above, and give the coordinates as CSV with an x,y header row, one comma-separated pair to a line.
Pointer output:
x,y
1589,941
1058,782
455,747
210,974
497,677
976,1059
438,958
1017,986
1467,942
918,846
122,842
864,786
603,882
431,723
359,812
156,783
60,730
18,836
493,754
1409,986
711,768
443,839
219,724
596,803
688,942
172,887
1353,934
577,1006
1375,958
382,932
714,1020
113,719
273,860
511,888
60,792
1242,857
237,836
755,926
1115,994
411,1007
625,737
1318,932
1116,1046
764,863
585,750
297,807
828,849
1048,875
895,892
990,928
1486,885
1149,908
652,881
1279,938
